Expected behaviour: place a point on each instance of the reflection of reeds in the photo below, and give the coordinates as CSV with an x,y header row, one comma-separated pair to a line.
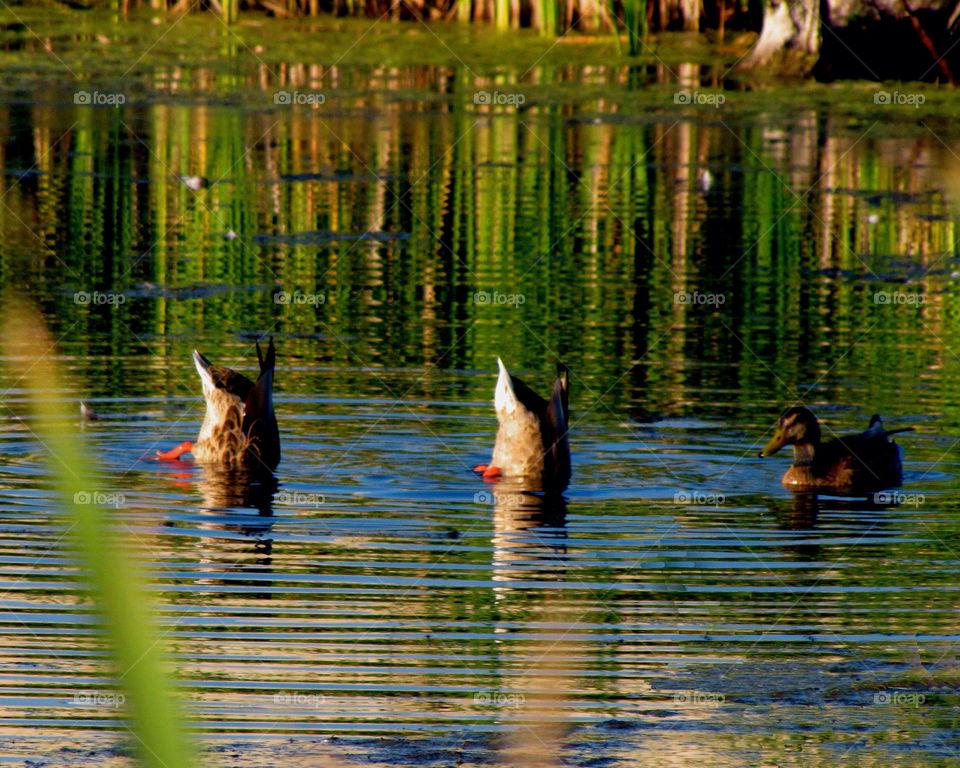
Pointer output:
x,y
543,205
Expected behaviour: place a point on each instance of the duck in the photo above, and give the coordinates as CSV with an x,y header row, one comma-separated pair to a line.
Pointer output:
x,y
239,428
531,438
869,461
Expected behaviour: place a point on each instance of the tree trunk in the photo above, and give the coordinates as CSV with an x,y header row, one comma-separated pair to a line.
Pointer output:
x,y
690,10
874,39
790,38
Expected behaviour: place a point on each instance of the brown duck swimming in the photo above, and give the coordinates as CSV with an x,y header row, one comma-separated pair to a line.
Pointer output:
x,y
240,427
532,437
869,461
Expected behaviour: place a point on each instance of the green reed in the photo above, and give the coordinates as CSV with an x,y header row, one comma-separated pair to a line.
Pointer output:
x,y
635,21
116,584
550,17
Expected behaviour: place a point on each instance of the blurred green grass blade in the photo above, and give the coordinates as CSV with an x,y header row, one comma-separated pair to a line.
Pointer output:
x,y
635,20
126,619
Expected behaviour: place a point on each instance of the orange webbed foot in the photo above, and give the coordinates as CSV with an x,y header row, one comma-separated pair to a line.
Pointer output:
x,y
174,453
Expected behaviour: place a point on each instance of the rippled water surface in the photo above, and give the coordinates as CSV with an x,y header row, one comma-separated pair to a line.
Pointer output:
x,y
697,268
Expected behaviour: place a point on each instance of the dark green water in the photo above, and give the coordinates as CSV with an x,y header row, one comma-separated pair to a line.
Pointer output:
x,y
698,267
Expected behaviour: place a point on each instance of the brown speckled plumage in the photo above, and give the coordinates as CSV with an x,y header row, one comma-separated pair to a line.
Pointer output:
x,y
532,436
239,427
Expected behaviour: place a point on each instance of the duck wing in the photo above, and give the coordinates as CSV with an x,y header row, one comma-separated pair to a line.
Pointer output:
x,y
259,420
555,424
526,397
865,461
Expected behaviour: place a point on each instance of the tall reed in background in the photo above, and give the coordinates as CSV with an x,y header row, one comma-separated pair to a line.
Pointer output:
x,y
551,17
635,20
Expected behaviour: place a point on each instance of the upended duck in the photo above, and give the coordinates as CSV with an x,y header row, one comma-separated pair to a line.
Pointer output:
x,y
239,428
532,436
870,461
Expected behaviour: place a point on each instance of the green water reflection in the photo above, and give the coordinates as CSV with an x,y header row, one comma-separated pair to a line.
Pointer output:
x,y
412,239
697,268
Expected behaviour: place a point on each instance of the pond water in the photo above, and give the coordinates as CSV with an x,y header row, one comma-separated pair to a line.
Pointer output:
x,y
699,263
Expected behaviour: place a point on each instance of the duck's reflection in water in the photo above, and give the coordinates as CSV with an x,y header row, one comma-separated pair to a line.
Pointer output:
x,y
529,535
226,489
802,510
534,625
797,513
802,513
236,502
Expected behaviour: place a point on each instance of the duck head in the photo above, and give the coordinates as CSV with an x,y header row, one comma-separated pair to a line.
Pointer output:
x,y
797,427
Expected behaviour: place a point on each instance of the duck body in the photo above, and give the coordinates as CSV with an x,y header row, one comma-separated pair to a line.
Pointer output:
x,y
239,429
869,461
532,434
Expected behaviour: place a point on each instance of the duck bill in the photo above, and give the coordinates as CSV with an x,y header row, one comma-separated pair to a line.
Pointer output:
x,y
776,443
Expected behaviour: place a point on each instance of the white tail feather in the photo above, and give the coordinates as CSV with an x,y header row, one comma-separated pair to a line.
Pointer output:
x,y
205,377
505,400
